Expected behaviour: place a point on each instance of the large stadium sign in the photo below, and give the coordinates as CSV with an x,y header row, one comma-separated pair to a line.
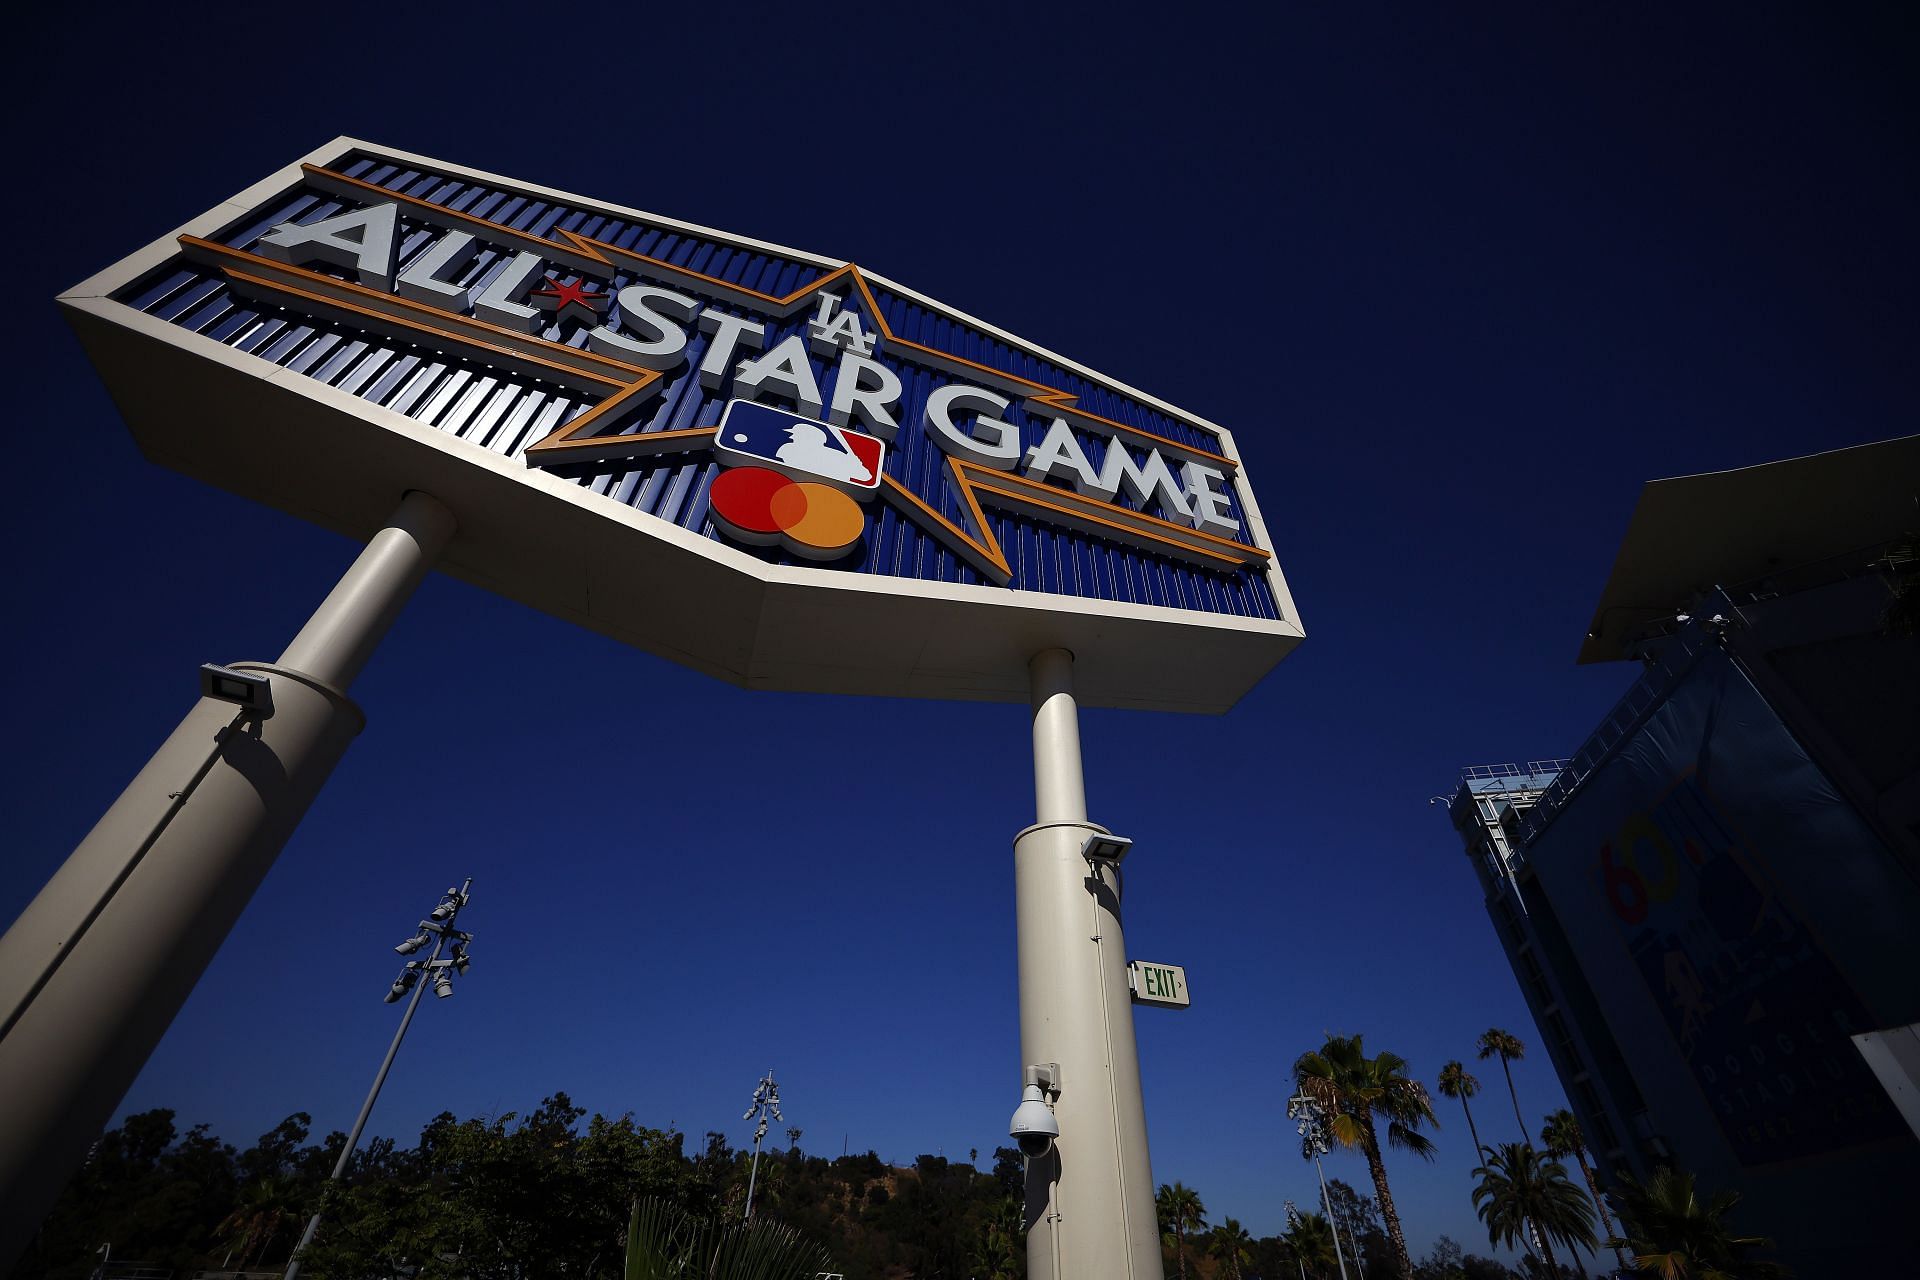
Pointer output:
x,y
785,470
781,469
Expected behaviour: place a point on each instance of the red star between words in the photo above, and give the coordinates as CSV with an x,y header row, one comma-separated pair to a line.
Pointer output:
x,y
557,297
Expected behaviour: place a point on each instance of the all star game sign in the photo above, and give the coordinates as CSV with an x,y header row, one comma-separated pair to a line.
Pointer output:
x,y
785,470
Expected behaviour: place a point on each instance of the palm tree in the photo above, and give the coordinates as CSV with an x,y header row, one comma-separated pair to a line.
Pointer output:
x,y
1000,1252
1523,1196
1561,1136
1456,1083
664,1241
1311,1239
1507,1047
1352,1089
1180,1212
1672,1234
266,1205
1233,1245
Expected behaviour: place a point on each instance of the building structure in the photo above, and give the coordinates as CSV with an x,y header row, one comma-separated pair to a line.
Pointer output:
x,y
1713,907
781,469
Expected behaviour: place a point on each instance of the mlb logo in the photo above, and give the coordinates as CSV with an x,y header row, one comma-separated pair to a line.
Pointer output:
x,y
800,448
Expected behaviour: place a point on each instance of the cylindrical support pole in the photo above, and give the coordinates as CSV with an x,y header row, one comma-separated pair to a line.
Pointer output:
x,y
752,1178
340,636
96,967
1059,785
1090,1208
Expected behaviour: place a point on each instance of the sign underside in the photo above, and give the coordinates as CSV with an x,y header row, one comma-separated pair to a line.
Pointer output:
x,y
780,469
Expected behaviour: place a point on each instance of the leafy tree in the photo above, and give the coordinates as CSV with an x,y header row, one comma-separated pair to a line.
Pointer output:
x,y
156,1193
1233,1245
1445,1262
1561,1136
1376,1255
551,1193
1522,1195
1180,1211
1675,1235
712,1167
278,1152
506,1198
1508,1047
1010,1172
1455,1082
931,1219
1356,1218
1354,1089
1273,1258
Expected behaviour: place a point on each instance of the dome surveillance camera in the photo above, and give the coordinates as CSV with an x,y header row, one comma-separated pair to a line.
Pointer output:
x,y
1034,1126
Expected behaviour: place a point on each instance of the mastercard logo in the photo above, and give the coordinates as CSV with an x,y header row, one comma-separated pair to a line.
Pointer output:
x,y
760,506
791,481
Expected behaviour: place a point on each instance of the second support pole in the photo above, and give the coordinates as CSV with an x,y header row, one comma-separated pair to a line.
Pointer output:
x,y
1090,1208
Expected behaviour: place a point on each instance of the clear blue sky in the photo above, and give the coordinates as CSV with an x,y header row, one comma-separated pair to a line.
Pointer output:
x,y
1458,283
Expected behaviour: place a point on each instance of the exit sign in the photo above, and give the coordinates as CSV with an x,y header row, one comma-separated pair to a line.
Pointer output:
x,y
1158,984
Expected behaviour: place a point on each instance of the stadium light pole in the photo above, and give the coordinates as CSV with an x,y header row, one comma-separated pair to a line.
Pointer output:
x,y
1311,1123
417,976
766,1102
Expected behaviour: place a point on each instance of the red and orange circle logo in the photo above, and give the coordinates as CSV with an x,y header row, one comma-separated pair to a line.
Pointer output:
x,y
760,506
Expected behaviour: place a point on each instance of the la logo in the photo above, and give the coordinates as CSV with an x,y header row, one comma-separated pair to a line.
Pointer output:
x,y
832,329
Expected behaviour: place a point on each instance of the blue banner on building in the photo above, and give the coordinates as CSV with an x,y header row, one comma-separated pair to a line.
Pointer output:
x,y
1692,872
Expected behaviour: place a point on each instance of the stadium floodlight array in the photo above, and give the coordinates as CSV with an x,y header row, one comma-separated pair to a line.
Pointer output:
x,y
439,971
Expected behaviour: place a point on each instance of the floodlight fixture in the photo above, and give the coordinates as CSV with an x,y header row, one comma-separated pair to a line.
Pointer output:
x,y
766,1102
439,975
404,983
1311,1122
1105,847
248,690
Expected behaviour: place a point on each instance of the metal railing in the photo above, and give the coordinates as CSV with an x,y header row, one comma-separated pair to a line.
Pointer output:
x,y
1532,768
132,1271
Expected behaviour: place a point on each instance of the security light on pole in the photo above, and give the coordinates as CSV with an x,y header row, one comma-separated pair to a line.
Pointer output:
x,y
1106,847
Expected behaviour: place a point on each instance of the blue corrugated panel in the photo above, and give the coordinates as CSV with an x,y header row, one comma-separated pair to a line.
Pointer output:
x,y
505,413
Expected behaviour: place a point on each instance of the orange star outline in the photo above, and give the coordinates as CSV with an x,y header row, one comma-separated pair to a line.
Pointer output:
x,y
630,385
